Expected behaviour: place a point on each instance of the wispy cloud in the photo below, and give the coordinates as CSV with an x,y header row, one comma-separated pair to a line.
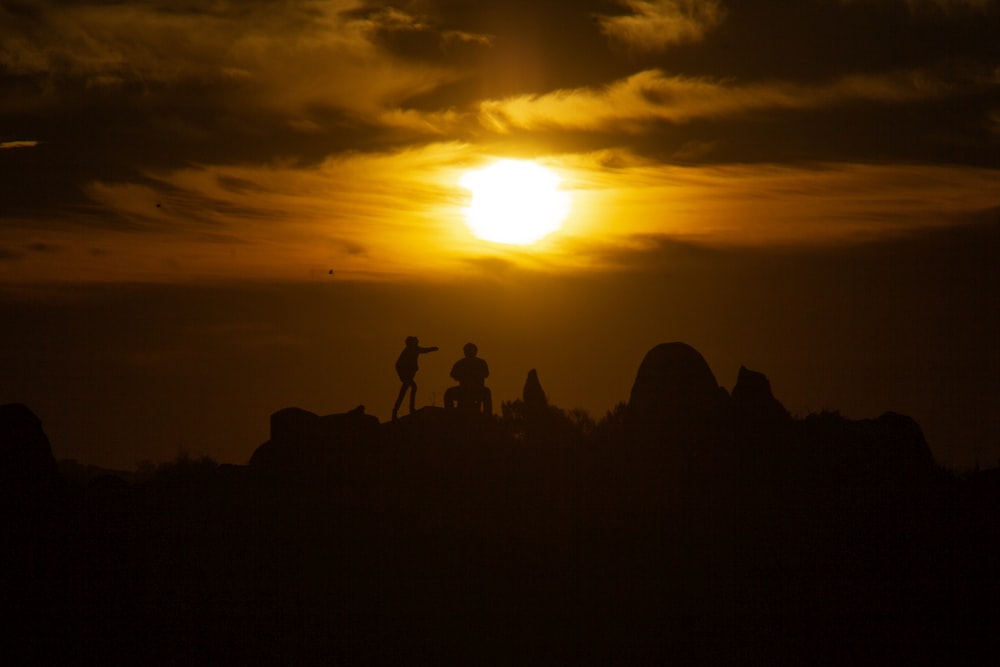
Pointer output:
x,y
654,96
17,144
290,56
252,138
654,25
939,6
296,222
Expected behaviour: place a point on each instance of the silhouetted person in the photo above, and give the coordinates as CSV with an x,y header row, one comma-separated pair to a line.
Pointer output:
x,y
406,368
471,373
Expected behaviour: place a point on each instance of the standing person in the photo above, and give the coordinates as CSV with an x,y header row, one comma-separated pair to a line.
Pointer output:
x,y
406,368
471,373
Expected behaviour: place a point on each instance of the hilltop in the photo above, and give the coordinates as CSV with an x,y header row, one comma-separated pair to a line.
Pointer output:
x,y
692,523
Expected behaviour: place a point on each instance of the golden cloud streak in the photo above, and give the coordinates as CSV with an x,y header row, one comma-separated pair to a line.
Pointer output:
x,y
4,145
653,96
394,216
655,25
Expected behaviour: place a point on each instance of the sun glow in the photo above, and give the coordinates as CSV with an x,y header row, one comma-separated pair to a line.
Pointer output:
x,y
515,202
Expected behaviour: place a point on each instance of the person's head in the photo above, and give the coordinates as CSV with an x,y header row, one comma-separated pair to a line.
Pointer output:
x,y
470,349
411,341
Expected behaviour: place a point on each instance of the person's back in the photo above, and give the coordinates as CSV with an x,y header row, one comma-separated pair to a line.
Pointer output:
x,y
470,372
406,364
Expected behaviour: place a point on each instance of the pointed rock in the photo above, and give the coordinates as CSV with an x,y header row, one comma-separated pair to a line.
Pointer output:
x,y
753,401
535,402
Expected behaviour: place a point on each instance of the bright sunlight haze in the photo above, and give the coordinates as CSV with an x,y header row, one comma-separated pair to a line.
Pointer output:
x,y
514,202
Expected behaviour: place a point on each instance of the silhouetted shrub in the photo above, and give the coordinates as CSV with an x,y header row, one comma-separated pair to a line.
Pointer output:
x,y
185,465
611,427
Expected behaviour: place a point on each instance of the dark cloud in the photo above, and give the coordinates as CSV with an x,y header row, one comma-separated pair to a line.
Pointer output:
x,y
42,247
422,37
114,90
8,254
117,99
239,185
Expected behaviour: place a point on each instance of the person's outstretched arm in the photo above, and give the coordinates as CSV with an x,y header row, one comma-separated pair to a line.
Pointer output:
x,y
422,350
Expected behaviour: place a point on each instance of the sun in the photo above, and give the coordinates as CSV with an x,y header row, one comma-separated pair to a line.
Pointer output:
x,y
514,201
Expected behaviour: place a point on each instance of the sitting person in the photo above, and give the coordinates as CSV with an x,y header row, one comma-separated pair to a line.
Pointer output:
x,y
471,373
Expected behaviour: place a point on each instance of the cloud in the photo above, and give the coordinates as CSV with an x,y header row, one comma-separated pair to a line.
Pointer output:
x,y
654,25
440,123
287,220
296,222
620,197
651,95
6,254
17,144
294,137
286,56
938,6
415,36
43,247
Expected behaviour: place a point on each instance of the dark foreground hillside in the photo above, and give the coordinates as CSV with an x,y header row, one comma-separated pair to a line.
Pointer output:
x,y
692,525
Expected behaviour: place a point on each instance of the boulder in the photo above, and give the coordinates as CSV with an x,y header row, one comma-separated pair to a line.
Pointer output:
x,y
294,426
899,447
675,396
753,401
300,438
890,447
25,453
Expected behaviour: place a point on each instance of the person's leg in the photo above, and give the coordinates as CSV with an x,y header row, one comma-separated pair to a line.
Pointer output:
x,y
450,394
487,401
413,395
399,398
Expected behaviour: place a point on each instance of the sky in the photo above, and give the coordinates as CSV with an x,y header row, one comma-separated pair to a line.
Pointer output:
x,y
213,210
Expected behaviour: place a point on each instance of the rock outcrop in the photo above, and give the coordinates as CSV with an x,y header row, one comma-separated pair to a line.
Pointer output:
x,y
25,453
677,407
753,401
301,439
717,530
889,448
535,402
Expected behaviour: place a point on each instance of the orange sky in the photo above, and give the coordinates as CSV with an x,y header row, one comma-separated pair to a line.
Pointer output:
x,y
727,160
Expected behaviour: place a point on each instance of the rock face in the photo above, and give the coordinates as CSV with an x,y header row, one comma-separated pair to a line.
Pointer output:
x,y
889,448
533,395
901,443
753,400
300,438
675,400
25,453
